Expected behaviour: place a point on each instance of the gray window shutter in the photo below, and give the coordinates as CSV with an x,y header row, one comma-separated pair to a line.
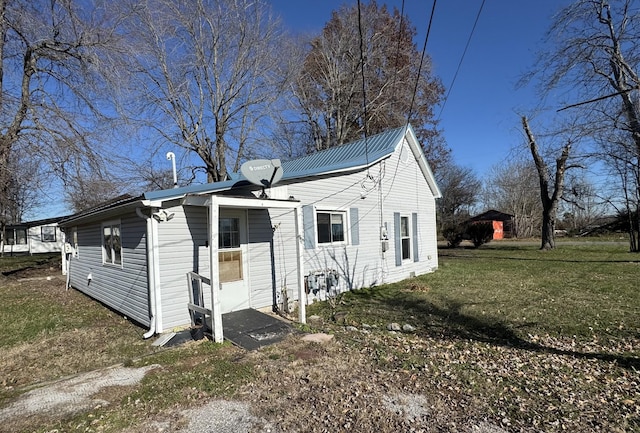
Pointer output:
x,y
309,232
414,235
355,229
397,239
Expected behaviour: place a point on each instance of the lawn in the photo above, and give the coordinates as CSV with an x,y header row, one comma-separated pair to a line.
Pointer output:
x,y
506,336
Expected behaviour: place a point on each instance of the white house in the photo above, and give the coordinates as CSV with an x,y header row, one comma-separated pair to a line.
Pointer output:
x,y
33,237
348,217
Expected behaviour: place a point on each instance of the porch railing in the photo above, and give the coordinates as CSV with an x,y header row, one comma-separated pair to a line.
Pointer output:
x,y
200,315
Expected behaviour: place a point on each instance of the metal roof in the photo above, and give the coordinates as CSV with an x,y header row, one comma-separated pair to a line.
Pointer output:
x,y
349,156
352,155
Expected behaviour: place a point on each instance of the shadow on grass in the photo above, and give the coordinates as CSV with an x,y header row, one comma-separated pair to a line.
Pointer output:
x,y
450,323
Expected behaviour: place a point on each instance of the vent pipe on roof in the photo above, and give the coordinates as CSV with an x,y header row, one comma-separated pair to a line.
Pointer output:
x,y
172,157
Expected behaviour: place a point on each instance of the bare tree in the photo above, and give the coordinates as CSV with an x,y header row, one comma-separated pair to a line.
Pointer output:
x,y
550,195
593,51
624,164
334,104
583,206
460,191
52,55
207,73
511,187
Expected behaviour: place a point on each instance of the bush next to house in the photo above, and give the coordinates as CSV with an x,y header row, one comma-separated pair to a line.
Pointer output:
x,y
480,233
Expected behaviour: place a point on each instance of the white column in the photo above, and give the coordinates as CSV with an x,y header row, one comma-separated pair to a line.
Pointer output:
x,y
302,295
216,314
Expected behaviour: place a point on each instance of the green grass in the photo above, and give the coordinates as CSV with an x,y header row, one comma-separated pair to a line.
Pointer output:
x,y
504,332
509,292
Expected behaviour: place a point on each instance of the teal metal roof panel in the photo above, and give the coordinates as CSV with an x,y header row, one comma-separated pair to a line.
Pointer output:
x,y
356,154
352,155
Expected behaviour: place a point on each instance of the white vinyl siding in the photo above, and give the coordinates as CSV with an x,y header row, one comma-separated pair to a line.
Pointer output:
x,y
404,191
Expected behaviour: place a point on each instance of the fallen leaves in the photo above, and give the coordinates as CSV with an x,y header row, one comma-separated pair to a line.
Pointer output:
x,y
387,382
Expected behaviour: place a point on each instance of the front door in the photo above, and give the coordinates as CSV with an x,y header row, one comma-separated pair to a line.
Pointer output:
x,y
232,260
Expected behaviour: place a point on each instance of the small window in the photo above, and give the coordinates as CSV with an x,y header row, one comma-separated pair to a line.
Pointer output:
x,y
73,240
405,238
48,234
330,227
229,233
111,244
16,236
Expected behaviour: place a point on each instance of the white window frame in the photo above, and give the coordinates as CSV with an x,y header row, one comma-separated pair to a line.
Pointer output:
x,y
345,221
112,262
406,237
74,240
42,234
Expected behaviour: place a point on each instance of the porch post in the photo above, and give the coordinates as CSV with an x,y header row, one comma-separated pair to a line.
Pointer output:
x,y
302,294
216,314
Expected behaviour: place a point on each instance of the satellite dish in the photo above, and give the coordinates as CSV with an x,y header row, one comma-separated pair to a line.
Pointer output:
x,y
262,172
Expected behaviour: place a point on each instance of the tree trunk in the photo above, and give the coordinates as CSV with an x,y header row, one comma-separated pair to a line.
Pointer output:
x,y
549,199
548,231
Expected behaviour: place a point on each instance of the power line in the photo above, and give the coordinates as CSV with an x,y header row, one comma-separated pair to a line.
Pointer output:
x,y
395,66
461,59
424,50
364,94
622,92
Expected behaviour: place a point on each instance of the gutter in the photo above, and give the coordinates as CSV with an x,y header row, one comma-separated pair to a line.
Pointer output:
x,y
151,272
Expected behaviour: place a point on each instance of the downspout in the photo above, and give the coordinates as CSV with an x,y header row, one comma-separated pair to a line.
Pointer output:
x,y
151,280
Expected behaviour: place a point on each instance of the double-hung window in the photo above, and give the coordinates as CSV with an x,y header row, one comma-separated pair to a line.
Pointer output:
x,y
330,227
405,234
48,233
405,238
111,243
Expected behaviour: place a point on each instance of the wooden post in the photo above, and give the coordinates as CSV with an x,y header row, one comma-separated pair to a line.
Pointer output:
x,y
216,314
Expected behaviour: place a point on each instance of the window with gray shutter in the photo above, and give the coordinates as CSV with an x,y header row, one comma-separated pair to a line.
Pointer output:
x,y
397,238
414,234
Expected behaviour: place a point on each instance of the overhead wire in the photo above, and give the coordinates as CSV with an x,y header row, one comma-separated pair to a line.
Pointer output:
x,y
464,53
395,66
415,87
364,94
424,50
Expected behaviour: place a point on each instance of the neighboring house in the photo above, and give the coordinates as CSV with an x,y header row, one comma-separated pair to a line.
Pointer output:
x,y
34,237
348,217
502,223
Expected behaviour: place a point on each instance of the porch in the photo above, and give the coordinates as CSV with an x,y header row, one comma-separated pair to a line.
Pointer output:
x,y
228,284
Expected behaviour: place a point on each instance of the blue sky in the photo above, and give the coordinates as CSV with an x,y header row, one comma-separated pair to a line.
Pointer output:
x,y
481,117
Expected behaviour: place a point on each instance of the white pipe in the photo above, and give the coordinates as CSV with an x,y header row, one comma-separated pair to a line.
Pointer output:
x,y
150,274
172,157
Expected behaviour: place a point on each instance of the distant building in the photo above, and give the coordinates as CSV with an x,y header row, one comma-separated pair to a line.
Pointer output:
x,y
33,237
502,223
